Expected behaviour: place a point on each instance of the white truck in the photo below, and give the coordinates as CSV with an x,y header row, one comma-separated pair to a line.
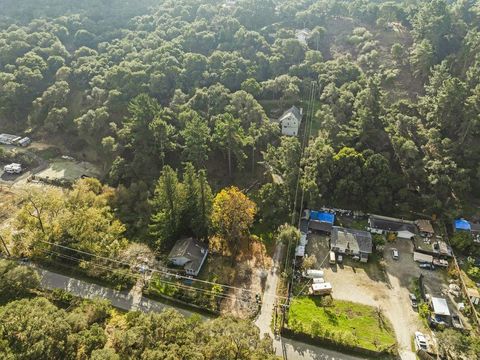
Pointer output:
x,y
13,168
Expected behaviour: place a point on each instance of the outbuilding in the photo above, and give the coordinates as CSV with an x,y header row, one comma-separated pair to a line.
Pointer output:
x,y
404,229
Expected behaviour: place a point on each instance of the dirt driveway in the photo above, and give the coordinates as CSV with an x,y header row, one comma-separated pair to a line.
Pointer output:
x,y
382,283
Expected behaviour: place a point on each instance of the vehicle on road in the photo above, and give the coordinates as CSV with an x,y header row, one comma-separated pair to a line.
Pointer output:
x,y
395,254
413,300
420,341
427,266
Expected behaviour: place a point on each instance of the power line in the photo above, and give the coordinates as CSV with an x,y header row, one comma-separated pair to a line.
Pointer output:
x,y
139,277
163,272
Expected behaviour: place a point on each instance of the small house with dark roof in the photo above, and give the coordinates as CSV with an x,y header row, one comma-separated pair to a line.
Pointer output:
x,y
190,254
425,227
351,242
290,121
383,225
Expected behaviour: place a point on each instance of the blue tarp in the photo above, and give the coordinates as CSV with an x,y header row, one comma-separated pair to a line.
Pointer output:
x,y
461,224
322,216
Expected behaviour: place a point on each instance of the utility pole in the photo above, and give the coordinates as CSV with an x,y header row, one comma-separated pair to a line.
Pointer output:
x,y
5,246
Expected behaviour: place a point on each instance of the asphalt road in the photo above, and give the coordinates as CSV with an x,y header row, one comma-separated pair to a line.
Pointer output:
x,y
288,349
120,299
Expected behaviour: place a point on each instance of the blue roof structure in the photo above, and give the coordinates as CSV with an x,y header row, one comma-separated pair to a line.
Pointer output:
x,y
462,224
322,216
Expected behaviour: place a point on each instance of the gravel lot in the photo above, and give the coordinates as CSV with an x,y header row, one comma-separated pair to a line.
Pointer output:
x,y
381,282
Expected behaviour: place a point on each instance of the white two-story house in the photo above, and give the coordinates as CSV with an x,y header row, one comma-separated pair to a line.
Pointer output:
x,y
290,121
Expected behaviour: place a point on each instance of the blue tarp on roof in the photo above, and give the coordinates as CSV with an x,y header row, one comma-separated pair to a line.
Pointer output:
x,y
461,224
322,216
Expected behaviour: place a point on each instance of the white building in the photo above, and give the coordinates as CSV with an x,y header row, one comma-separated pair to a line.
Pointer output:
x,y
303,35
290,121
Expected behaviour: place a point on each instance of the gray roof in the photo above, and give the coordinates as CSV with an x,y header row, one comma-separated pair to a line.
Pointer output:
x,y
475,228
293,110
192,249
356,240
319,225
391,224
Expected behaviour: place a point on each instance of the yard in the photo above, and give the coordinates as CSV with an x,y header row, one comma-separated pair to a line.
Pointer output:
x,y
342,322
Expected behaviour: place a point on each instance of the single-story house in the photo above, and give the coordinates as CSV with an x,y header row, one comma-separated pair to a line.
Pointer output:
x,y
290,121
474,296
440,307
8,139
404,229
303,35
321,221
425,227
190,254
351,242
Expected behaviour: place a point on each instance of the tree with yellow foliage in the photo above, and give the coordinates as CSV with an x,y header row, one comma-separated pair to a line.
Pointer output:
x,y
232,217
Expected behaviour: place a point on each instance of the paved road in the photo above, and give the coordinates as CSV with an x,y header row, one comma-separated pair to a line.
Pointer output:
x,y
121,299
286,348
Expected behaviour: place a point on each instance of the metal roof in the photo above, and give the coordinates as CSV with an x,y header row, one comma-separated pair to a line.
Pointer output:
x,y
440,306
355,240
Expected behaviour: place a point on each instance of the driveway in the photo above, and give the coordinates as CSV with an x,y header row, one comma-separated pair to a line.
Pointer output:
x,y
383,285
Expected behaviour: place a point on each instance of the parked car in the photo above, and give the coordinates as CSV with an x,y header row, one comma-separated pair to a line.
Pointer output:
x,y
427,266
340,259
457,322
413,300
420,341
332,258
395,254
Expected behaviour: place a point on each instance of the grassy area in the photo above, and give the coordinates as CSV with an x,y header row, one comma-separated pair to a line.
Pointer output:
x,y
266,236
342,322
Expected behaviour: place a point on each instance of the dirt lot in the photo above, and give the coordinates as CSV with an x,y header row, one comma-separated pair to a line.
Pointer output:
x,y
68,169
381,282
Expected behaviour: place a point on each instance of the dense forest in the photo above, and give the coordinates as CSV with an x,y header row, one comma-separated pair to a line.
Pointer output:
x,y
178,99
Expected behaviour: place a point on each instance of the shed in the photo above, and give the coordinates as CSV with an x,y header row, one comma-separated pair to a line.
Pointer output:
x,y
423,258
300,251
320,226
303,239
440,306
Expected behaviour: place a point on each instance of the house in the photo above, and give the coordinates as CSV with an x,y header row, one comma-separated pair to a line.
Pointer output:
x,y
290,121
474,296
8,139
382,225
190,254
351,242
303,35
425,227
321,221
475,230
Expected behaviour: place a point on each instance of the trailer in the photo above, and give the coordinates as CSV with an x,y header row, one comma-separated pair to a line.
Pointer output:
x,y
321,289
13,168
313,274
